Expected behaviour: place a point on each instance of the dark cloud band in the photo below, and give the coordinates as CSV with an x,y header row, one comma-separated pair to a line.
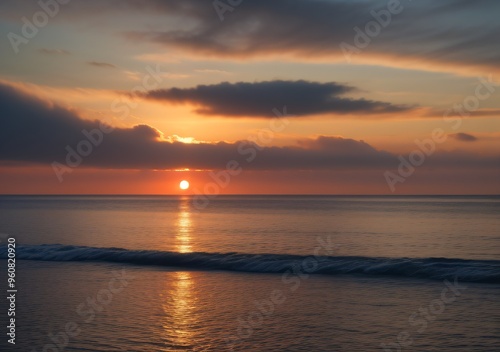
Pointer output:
x,y
258,99
38,132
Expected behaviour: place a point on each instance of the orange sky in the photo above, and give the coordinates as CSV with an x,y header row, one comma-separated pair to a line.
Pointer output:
x,y
199,95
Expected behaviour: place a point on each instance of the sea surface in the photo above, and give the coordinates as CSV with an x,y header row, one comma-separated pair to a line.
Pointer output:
x,y
253,273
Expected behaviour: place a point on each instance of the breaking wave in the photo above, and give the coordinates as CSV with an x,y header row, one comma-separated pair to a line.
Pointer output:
x,y
484,271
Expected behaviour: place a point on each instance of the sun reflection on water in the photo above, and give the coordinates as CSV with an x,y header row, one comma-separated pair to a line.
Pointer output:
x,y
179,298
179,307
184,227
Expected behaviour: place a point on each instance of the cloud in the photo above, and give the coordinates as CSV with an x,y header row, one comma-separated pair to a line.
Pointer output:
x,y
53,51
480,112
36,131
259,98
219,72
101,64
463,137
448,33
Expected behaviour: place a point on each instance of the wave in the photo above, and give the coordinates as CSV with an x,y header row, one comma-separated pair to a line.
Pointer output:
x,y
484,271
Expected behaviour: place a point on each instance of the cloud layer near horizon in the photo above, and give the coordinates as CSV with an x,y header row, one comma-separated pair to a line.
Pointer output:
x,y
39,132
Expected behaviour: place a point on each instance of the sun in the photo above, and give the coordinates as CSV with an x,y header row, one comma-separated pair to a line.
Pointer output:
x,y
184,184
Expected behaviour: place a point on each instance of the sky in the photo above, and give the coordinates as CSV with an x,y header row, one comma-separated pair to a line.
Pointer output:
x,y
249,97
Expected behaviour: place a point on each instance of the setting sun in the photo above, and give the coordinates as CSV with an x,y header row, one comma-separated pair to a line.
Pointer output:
x,y
352,143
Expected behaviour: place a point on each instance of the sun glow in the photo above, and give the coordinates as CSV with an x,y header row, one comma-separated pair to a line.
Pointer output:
x,y
184,184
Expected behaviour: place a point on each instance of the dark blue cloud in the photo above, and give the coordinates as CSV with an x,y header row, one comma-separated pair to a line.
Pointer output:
x,y
35,131
259,98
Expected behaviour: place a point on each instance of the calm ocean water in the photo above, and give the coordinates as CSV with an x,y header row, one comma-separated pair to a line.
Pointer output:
x,y
255,273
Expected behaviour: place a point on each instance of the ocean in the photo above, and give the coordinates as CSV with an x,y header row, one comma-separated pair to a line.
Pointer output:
x,y
252,273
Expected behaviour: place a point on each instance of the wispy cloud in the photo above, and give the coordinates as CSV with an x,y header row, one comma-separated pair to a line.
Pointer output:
x,y
53,51
101,64
218,72
426,34
450,35
463,137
